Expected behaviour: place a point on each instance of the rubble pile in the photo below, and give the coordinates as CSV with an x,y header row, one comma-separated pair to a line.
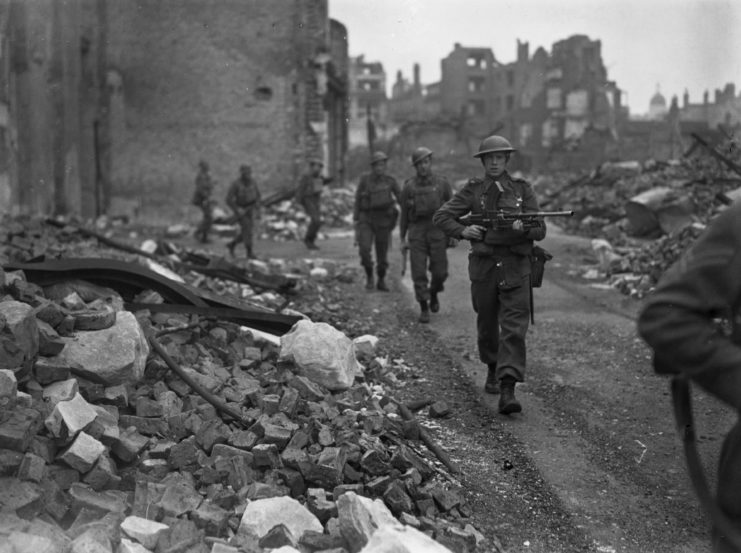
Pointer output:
x,y
167,432
286,220
677,199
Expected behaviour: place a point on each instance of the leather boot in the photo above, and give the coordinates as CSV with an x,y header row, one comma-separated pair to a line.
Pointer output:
x,y
382,281
368,279
424,315
508,404
434,303
491,386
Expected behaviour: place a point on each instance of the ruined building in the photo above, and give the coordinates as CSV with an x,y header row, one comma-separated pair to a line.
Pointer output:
x,y
367,98
124,97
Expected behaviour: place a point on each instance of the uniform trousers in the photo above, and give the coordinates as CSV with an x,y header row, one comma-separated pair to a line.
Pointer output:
x,y
500,293
427,250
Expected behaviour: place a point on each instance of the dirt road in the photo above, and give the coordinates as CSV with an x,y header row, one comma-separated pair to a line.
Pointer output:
x,y
594,462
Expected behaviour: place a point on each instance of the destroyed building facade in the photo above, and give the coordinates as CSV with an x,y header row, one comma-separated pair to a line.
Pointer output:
x,y
102,98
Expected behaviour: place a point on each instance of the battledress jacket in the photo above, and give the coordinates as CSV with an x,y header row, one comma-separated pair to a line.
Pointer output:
x,y
511,196
692,319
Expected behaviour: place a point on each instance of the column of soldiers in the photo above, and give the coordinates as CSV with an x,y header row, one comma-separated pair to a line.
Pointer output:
x,y
499,264
243,198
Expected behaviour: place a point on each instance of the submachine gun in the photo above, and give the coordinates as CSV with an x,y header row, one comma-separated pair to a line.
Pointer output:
x,y
498,220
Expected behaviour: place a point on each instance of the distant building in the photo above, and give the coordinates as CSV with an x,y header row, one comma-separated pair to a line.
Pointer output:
x,y
467,86
657,108
412,101
367,97
724,110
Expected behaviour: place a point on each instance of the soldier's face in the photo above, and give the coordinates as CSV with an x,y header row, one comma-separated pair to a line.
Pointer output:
x,y
494,164
379,168
424,167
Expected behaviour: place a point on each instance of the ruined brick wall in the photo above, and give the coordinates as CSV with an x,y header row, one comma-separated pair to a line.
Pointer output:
x,y
227,81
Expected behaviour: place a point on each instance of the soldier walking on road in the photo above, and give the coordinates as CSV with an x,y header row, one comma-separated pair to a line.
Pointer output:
x,y
498,266
692,320
243,198
202,199
421,196
375,215
308,195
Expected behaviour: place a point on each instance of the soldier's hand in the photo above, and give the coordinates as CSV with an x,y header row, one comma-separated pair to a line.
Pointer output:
x,y
474,232
518,225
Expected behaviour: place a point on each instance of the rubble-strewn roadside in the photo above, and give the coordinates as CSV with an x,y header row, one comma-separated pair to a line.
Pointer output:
x,y
644,215
106,447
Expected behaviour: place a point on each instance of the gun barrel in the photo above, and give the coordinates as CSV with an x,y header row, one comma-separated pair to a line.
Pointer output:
x,y
544,214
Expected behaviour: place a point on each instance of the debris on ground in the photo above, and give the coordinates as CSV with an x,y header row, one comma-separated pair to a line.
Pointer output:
x,y
161,429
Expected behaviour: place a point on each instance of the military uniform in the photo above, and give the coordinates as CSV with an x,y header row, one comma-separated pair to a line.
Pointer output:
x,y
202,199
308,195
499,269
692,320
243,197
375,216
420,198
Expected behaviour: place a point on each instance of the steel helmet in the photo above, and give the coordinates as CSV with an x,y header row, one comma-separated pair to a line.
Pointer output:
x,y
378,156
494,143
419,154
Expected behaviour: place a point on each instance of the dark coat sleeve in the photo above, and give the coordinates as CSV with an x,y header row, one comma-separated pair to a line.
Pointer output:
x,y
458,205
679,319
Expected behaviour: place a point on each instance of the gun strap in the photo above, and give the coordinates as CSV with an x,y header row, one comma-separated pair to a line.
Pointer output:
x,y
680,388
532,306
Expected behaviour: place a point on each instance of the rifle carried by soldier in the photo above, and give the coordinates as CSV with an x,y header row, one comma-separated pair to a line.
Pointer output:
x,y
498,220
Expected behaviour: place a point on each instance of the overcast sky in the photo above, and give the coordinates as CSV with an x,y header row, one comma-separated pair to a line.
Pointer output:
x,y
672,44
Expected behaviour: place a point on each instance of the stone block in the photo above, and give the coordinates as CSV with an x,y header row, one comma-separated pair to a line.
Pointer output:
x,y
103,475
10,461
8,393
146,532
270,403
50,343
105,426
396,499
17,432
70,417
63,390
108,501
25,499
276,434
267,455
47,372
439,409
180,498
211,518
243,439
146,407
25,542
117,395
128,546
32,468
129,444
144,425
19,337
184,453
289,401
261,516
212,432
82,454
224,450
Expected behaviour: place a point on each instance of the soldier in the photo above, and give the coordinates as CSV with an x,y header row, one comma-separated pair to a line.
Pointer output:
x,y
243,198
308,195
498,266
375,215
202,199
692,320
421,196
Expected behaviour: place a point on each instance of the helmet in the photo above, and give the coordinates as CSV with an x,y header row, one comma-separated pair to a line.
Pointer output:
x,y
378,156
419,154
494,143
